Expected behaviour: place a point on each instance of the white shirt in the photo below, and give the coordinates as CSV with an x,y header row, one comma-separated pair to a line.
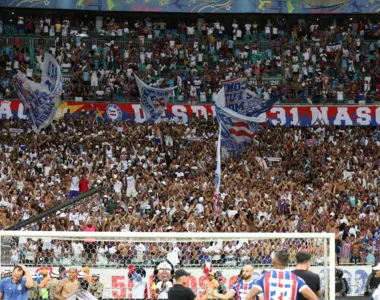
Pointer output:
x,y
77,249
164,293
131,182
117,186
74,184
138,291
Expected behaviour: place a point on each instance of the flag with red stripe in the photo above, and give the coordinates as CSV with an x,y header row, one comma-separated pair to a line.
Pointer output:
x,y
236,131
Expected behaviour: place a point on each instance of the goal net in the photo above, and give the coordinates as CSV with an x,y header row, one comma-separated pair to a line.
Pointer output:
x,y
156,255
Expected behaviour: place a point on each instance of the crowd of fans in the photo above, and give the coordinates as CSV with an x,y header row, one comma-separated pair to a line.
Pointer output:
x,y
160,178
338,62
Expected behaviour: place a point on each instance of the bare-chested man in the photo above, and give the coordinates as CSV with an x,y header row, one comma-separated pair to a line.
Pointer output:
x,y
68,286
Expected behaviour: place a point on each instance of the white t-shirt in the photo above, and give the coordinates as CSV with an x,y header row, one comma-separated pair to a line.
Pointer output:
x,y
77,249
131,184
190,30
29,72
339,96
164,293
117,186
138,291
74,184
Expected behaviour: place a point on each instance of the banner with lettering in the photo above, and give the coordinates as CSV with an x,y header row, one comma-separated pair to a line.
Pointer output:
x,y
153,100
51,76
234,91
41,105
278,115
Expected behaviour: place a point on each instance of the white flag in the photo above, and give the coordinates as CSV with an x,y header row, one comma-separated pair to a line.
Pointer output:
x,y
40,103
153,100
51,76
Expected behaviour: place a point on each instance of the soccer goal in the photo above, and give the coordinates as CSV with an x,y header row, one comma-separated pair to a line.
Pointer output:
x,y
155,256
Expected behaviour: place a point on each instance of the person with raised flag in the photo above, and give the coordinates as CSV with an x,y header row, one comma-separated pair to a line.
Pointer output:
x,y
153,100
280,283
241,288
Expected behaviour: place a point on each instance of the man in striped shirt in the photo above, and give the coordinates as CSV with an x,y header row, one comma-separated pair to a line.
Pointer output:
x,y
241,288
280,283
345,251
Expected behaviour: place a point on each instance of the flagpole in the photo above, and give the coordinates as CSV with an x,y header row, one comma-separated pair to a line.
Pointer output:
x,y
218,172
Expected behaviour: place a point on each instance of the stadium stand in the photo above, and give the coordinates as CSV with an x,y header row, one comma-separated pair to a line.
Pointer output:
x,y
163,174
305,62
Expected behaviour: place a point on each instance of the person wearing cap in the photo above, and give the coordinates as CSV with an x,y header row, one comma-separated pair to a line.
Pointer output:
x,y
210,285
88,276
96,287
303,271
17,286
82,280
52,284
43,290
68,286
376,293
179,291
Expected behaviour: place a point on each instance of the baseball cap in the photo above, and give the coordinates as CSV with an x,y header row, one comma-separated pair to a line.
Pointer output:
x,y
377,267
181,272
302,257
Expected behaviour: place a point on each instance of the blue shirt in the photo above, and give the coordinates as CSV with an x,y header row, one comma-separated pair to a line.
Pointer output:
x,y
280,284
13,291
86,76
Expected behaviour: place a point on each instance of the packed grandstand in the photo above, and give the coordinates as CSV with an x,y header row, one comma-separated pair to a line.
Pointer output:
x,y
305,61
160,177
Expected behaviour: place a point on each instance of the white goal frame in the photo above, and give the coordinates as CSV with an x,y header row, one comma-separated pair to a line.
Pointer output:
x,y
328,243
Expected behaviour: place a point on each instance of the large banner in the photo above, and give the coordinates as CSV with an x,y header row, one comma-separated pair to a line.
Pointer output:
x,y
207,6
118,286
41,104
277,115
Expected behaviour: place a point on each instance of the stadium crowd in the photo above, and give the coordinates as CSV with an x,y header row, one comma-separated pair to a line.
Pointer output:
x,y
161,178
334,63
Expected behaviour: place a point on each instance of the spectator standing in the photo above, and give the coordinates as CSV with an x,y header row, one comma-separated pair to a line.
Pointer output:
x,y
83,184
68,286
303,271
179,291
280,262
96,287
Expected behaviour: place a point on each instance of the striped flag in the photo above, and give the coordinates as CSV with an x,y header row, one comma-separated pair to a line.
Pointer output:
x,y
236,130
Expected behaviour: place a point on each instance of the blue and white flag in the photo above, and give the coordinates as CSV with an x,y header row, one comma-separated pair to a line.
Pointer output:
x,y
255,106
236,130
51,76
243,101
40,103
234,94
153,100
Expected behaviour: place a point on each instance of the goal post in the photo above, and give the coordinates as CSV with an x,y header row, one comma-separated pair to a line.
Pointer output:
x,y
111,253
